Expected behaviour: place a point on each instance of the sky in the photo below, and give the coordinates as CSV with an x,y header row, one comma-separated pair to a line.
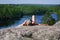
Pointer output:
x,y
29,1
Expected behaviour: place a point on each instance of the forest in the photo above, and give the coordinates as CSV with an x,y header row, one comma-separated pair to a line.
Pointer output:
x,y
10,12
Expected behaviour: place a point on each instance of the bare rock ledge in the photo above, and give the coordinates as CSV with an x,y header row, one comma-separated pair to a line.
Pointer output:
x,y
31,33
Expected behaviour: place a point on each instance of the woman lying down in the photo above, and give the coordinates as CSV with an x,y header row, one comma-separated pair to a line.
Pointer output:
x,y
31,23
28,23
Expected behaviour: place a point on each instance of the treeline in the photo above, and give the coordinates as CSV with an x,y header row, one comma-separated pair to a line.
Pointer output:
x,y
11,10
15,11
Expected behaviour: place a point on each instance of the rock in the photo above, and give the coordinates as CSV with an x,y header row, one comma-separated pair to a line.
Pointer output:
x,y
13,34
31,33
57,23
49,34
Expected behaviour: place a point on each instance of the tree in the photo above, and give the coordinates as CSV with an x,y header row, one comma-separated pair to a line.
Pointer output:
x,y
51,21
48,19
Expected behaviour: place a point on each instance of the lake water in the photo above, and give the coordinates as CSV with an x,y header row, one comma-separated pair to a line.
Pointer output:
x,y
38,20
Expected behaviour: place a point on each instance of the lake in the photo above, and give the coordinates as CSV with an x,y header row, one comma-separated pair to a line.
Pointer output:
x,y
21,20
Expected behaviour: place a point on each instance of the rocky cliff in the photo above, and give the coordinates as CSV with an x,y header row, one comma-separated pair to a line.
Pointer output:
x,y
31,33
